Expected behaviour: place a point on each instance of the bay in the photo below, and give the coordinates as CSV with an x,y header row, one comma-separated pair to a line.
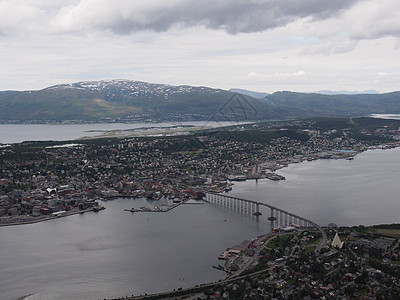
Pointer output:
x,y
116,253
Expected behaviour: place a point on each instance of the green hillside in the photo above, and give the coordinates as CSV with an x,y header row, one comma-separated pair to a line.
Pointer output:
x,y
133,100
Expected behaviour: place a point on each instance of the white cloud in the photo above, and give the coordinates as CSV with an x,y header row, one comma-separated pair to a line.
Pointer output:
x,y
16,14
259,77
374,19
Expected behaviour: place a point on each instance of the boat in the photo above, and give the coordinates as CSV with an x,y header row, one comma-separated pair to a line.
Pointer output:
x,y
144,208
98,208
223,255
274,176
132,210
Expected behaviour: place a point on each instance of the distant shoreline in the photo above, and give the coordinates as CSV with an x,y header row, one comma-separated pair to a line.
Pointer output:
x,y
46,218
74,212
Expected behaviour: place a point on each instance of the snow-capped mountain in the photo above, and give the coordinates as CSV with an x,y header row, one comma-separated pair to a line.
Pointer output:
x,y
119,99
128,100
117,88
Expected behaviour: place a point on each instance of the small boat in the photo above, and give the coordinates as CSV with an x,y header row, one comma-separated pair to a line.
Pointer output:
x,y
98,208
132,210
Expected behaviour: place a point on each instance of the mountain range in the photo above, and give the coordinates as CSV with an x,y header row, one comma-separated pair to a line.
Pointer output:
x,y
127,100
328,92
257,95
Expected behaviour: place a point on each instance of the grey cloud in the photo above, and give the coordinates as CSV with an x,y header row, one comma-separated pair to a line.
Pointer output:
x,y
232,16
378,29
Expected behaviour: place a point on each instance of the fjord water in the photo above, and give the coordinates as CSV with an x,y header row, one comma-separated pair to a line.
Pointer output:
x,y
117,253
17,133
363,191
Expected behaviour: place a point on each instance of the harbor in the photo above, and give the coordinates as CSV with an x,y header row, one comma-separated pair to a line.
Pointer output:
x,y
107,239
166,207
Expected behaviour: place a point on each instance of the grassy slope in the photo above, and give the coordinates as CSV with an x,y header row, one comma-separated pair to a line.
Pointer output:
x,y
64,104
70,104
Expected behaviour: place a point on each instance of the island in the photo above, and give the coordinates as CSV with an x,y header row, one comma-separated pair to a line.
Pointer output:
x,y
39,179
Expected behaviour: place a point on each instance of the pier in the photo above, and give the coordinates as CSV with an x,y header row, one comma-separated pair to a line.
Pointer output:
x,y
158,208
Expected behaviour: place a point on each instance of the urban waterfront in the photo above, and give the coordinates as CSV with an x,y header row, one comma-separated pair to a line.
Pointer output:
x,y
362,191
116,253
17,133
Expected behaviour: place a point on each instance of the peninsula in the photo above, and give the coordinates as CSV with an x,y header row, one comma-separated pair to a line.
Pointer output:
x,y
39,179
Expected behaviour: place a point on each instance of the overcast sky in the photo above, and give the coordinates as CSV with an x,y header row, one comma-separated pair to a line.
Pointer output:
x,y
260,45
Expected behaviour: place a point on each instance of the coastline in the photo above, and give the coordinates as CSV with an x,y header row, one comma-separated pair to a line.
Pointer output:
x,y
273,166
348,162
46,218
334,154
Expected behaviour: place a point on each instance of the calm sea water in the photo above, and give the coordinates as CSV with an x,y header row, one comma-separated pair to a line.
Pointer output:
x,y
116,253
361,191
17,133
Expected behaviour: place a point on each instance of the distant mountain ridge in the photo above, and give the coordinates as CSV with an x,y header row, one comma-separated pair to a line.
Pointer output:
x,y
122,99
253,94
337,105
127,100
328,92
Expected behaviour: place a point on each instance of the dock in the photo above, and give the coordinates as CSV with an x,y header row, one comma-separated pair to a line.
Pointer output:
x,y
158,208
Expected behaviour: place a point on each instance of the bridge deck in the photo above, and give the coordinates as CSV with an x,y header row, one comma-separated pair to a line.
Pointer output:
x,y
272,207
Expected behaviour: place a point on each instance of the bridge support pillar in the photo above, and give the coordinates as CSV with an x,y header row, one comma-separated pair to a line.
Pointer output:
x,y
257,209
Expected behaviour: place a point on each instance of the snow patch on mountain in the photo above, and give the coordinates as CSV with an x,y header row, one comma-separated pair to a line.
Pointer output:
x,y
134,88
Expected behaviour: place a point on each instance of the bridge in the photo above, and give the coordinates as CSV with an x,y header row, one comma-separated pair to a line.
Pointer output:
x,y
277,216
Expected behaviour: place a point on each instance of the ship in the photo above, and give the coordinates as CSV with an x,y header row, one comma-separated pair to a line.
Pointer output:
x,y
98,208
132,210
